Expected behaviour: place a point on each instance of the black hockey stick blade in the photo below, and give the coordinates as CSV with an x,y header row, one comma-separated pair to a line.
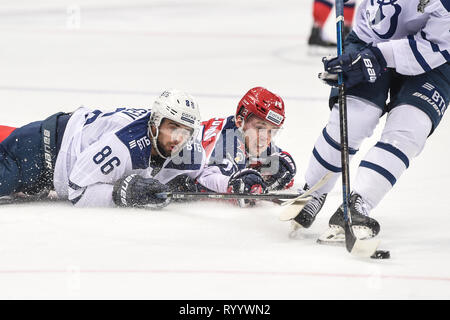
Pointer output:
x,y
361,248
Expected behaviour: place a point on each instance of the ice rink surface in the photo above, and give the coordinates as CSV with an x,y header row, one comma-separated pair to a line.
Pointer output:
x,y
58,55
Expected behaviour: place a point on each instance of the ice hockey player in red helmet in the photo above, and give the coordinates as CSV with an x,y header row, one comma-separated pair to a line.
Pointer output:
x,y
240,151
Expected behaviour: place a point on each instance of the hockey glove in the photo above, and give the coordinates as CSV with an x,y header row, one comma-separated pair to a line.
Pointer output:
x,y
246,181
357,67
286,169
136,191
183,183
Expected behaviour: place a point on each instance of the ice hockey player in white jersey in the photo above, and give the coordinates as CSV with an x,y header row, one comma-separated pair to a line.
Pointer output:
x,y
96,158
398,49
240,149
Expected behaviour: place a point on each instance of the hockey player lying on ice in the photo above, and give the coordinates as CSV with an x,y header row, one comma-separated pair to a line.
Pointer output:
x,y
104,159
400,49
241,155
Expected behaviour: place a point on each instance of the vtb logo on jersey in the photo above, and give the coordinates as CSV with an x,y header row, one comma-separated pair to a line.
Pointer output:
x,y
383,16
435,98
141,143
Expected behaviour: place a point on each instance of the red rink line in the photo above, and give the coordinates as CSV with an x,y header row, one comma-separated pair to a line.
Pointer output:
x,y
230,272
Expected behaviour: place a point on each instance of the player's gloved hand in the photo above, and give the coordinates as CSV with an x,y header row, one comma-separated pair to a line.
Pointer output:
x,y
357,67
285,171
246,181
183,183
136,191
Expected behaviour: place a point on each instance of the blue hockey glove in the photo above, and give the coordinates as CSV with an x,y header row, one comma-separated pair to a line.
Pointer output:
x,y
284,175
357,67
246,181
136,191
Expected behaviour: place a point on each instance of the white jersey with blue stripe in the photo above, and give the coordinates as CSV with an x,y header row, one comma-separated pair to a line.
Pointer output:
x,y
99,148
413,35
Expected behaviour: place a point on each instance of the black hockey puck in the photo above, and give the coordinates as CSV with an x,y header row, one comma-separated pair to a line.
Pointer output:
x,y
381,254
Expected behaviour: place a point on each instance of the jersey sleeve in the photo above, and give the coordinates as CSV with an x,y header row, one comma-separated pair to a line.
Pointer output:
x,y
213,179
95,171
426,50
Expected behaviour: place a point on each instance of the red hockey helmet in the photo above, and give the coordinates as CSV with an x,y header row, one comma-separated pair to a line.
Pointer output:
x,y
264,104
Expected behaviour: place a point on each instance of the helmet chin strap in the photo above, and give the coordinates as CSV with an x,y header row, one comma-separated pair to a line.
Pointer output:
x,y
155,141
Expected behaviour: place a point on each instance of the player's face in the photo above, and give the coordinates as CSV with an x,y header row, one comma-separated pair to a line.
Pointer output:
x,y
172,136
258,134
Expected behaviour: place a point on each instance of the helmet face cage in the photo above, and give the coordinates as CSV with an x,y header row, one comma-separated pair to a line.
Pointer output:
x,y
178,107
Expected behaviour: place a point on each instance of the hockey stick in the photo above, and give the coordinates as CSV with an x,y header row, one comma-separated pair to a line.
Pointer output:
x,y
362,248
279,198
295,205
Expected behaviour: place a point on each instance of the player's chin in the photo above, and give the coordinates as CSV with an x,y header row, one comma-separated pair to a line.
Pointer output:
x,y
173,150
166,152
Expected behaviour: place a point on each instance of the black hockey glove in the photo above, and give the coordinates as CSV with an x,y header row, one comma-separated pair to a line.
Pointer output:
x,y
285,170
246,181
357,67
183,183
136,191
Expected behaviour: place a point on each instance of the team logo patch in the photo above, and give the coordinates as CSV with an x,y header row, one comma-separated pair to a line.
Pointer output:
x,y
132,144
383,10
434,97
141,143
274,117
239,157
188,118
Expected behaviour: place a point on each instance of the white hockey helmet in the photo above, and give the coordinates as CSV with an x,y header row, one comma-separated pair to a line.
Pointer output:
x,y
177,106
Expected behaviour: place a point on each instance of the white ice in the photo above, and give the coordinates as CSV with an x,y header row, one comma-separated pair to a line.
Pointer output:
x,y
58,55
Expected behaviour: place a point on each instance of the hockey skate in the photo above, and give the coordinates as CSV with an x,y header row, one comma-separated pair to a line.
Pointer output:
x,y
318,45
316,39
363,226
308,213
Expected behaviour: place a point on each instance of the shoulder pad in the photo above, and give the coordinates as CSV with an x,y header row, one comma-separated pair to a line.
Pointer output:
x,y
135,137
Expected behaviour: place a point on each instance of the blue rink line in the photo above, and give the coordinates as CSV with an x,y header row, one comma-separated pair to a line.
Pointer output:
x,y
146,93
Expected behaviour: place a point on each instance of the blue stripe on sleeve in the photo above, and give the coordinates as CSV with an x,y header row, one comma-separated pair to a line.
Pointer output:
x,y
74,186
74,201
389,176
446,55
435,47
420,59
